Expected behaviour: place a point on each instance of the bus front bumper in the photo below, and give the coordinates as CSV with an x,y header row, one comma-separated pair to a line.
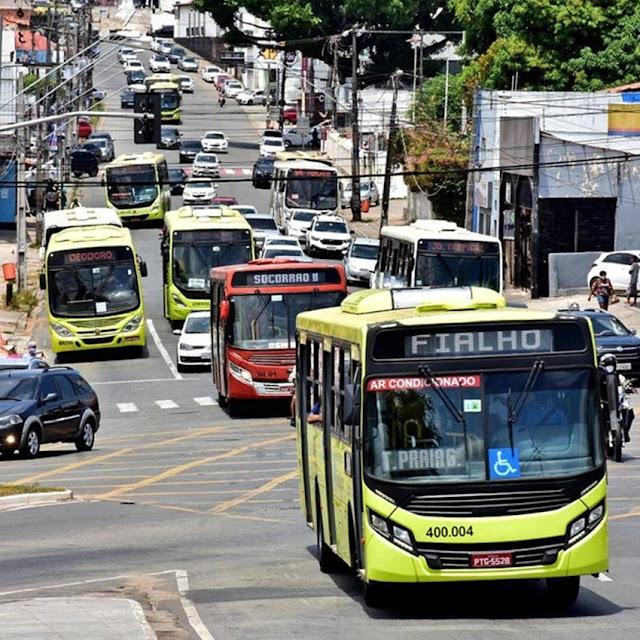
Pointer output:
x,y
180,306
154,212
107,340
241,387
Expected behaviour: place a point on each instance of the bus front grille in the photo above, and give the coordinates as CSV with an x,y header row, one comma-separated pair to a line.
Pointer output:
x,y
96,322
280,359
488,504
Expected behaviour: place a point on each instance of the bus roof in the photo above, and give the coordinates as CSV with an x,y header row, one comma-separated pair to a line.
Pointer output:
x,y
83,237
126,159
80,217
304,164
187,218
296,156
433,229
163,85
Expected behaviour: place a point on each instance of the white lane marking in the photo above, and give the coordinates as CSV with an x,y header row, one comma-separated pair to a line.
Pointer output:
x,y
166,404
603,577
127,407
163,352
134,381
206,401
182,579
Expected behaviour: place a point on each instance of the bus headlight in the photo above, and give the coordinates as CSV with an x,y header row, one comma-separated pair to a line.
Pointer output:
x,y
240,373
133,324
393,532
177,300
579,527
63,332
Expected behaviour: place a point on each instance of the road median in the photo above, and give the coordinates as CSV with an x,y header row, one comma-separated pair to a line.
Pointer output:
x,y
14,496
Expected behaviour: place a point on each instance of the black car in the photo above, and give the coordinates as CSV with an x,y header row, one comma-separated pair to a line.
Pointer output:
x,y
175,54
169,138
126,99
92,148
84,162
52,404
177,177
189,149
262,173
135,77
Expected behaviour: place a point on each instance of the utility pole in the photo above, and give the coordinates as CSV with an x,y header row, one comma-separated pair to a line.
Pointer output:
x,y
283,78
386,188
355,132
21,223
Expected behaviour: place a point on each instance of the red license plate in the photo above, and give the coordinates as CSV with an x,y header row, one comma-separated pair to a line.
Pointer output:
x,y
491,560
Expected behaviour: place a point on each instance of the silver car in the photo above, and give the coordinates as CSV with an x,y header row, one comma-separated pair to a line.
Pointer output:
x,y
264,226
360,259
368,189
206,164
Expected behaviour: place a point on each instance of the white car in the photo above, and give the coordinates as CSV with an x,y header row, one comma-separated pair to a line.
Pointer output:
x,y
209,72
255,96
270,146
194,343
199,191
328,233
215,141
245,209
206,164
186,84
123,52
360,259
156,44
282,251
282,241
188,63
232,88
271,133
165,48
264,226
298,225
616,264
159,64
133,65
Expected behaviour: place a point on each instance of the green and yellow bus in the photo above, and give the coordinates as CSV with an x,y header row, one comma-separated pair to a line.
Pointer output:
x,y
92,276
171,97
137,186
445,437
194,240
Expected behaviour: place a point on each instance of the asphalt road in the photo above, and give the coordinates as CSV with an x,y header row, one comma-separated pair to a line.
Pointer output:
x,y
174,483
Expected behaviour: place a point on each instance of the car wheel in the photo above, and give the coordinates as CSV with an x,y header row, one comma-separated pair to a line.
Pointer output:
x,y
31,446
249,101
180,367
287,143
87,437
93,173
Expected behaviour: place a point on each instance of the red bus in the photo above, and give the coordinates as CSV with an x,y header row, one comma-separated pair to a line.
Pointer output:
x,y
253,322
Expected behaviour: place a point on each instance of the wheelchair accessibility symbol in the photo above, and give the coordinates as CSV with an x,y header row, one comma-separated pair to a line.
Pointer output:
x,y
504,463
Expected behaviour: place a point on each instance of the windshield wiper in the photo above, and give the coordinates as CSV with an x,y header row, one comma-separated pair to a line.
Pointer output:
x,y
10,398
254,322
426,373
514,411
454,277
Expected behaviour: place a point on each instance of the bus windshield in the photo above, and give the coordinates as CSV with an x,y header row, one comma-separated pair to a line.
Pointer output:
x,y
132,186
169,100
312,192
458,270
93,289
413,435
263,321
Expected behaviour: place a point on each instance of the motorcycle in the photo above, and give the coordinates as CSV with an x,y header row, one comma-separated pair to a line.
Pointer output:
x,y
617,413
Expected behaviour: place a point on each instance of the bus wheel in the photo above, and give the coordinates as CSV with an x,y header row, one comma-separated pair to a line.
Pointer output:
x,y
326,558
563,592
617,446
222,400
374,594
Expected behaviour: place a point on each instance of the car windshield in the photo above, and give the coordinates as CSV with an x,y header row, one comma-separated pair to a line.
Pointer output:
x,y
12,388
263,321
93,289
132,186
266,164
196,324
414,435
605,325
364,251
191,145
282,252
176,174
458,270
263,223
169,132
214,136
161,59
304,216
317,191
205,157
189,60
331,227
199,184
282,241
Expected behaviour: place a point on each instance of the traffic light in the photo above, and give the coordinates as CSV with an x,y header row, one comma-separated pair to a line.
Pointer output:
x,y
147,130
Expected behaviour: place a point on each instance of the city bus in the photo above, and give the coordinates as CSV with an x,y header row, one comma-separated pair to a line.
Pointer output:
x,y
454,439
303,185
194,240
92,277
437,253
170,99
155,78
253,318
137,186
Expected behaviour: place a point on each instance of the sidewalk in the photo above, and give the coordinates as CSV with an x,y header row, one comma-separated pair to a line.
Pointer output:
x,y
78,618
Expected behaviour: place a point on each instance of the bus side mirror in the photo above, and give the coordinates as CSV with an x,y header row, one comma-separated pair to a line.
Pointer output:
x,y
43,281
351,404
223,311
143,269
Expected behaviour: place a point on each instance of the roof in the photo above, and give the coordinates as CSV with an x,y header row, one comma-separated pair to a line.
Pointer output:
x,y
369,241
83,237
81,216
285,263
634,86
304,164
442,229
137,158
204,217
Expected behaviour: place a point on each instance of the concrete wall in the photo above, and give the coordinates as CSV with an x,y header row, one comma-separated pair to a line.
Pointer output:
x,y
568,272
418,207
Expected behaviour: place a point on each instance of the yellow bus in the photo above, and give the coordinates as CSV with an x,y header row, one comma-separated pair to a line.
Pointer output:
x,y
137,186
92,276
443,437
171,96
194,240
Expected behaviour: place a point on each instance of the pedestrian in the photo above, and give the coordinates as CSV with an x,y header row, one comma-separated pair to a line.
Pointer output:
x,y
315,138
602,289
51,196
632,289
32,351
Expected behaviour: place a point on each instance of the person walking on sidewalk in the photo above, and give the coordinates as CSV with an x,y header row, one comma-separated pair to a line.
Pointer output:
x,y
632,290
602,289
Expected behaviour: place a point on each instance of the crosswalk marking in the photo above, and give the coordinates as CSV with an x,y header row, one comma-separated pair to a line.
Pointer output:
x,y
166,404
127,407
206,401
234,171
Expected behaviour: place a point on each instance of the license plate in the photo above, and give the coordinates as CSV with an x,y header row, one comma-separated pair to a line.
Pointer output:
x,y
490,560
624,366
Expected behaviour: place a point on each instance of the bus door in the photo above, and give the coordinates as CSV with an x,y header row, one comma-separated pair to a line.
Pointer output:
x,y
218,331
326,408
165,250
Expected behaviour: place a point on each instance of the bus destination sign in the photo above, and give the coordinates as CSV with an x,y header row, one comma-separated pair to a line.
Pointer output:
x,y
272,278
458,246
311,173
89,256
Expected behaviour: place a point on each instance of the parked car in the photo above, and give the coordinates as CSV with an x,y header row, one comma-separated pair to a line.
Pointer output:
x,y
188,63
169,138
206,164
298,225
290,113
252,96
613,336
282,251
263,226
328,234
186,84
50,404
209,72
262,173
199,191
360,259
177,178
84,129
175,54
136,77
294,138
105,148
194,344
245,209
159,63
368,190
232,88
215,141
616,264
270,146
189,149
126,99
84,162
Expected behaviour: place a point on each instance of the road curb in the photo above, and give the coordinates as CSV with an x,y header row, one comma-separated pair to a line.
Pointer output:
x,y
35,499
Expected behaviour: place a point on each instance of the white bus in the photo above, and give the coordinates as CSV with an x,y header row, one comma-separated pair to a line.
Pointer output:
x,y
437,253
303,185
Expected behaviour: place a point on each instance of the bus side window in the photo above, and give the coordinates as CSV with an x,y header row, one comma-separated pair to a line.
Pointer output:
x,y
282,181
313,391
341,378
163,173
302,382
382,255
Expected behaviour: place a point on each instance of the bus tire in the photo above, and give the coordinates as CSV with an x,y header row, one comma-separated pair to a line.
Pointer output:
x,y
233,408
222,400
617,446
563,592
327,560
374,594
